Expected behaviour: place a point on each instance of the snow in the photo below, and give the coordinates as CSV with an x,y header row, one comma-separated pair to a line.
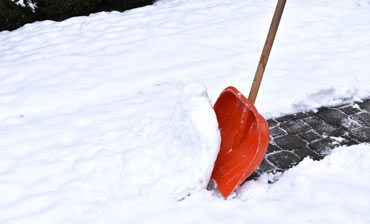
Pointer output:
x,y
325,191
19,2
108,118
28,3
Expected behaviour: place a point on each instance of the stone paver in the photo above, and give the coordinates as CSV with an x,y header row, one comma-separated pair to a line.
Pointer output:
x,y
314,134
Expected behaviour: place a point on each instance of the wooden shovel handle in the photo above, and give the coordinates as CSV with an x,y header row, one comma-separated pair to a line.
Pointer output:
x,y
266,51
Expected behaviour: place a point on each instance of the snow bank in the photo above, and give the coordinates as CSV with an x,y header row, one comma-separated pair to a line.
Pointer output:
x,y
333,190
320,55
61,167
173,156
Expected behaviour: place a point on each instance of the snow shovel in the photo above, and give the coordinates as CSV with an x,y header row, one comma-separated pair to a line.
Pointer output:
x,y
244,132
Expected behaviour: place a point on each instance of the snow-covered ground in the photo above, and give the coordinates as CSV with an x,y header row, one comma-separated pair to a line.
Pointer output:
x,y
109,119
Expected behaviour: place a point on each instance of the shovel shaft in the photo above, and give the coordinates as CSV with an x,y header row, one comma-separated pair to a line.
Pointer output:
x,y
266,51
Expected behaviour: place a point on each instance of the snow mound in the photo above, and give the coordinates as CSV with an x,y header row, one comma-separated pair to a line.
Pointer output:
x,y
333,190
174,155
104,157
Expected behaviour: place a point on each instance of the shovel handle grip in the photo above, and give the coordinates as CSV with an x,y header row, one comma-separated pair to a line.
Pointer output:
x,y
266,51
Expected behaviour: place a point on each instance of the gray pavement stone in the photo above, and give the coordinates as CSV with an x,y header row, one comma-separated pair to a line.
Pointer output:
x,y
332,116
349,140
283,159
365,105
273,148
329,130
295,126
285,118
272,123
323,146
290,142
301,115
266,166
307,152
310,136
362,118
277,131
350,124
313,121
362,134
349,110
314,134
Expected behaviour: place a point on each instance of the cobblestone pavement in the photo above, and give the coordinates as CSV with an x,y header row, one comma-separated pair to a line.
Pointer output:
x,y
314,134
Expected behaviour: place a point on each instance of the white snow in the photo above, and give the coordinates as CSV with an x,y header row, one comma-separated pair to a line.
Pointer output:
x,y
19,2
108,118
22,3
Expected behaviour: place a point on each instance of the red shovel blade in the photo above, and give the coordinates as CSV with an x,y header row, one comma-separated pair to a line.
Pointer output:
x,y
244,140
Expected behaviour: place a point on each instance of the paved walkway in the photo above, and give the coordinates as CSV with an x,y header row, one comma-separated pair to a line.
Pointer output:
x,y
314,134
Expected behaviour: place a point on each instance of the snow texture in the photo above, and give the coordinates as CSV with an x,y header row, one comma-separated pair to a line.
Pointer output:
x,y
108,118
22,3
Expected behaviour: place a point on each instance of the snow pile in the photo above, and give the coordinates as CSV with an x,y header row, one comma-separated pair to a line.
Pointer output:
x,y
333,190
55,163
320,55
172,155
